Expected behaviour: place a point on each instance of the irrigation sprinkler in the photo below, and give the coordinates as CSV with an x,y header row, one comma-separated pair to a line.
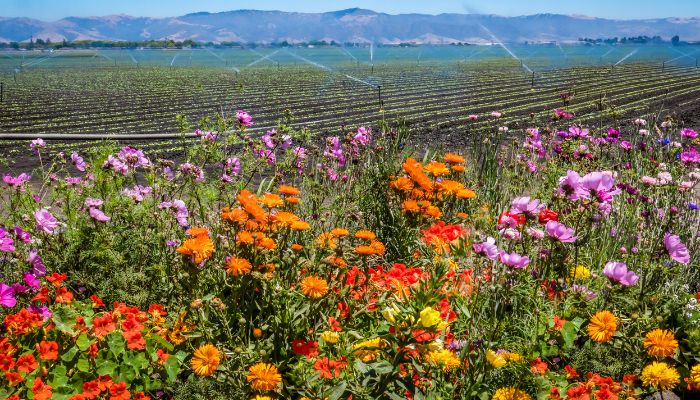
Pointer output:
x,y
379,91
2,92
663,66
532,83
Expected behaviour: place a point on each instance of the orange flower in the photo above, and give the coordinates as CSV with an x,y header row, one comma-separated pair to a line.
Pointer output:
x,y
378,247
660,343
403,184
26,363
457,168
284,218
205,360
300,226
14,378
47,350
466,194
314,287
250,205
41,390
237,266
292,200
199,248
602,326
453,158
364,250
135,340
118,391
244,237
410,206
64,296
263,377
101,326
339,232
297,247
539,367
196,232
436,168
271,200
327,240
432,211
237,215
366,235
289,190
449,187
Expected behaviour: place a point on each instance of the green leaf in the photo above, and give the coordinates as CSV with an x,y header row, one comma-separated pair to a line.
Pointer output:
x,y
337,391
64,318
83,365
116,343
172,367
83,342
568,333
60,377
69,354
106,367
162,342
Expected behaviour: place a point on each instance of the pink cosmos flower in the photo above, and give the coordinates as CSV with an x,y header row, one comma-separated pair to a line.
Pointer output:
x,y
37,144
676,249
7,296
688,133
22,235
98,215
487,248
31,281
90,202
16,182
559,231
617,272
244,119
45,221
527,206
7,244
515,260
78,161
473,117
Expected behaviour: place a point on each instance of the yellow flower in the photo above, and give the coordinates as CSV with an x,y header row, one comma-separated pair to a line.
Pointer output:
x,y
429,317
445,359
367,350
660,343
515,357
602,326
695,375
205,360
390,314
659,375
580,272
510,393
496,360
260,397
330,337
263,377
237,266
314,287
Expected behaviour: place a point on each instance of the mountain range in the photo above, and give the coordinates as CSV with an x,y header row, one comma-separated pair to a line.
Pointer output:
x,y
351,25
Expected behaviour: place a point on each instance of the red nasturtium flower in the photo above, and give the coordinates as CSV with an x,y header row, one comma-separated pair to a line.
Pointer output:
x,y
26,363
14,378
48,351
91,389
103,325
307,348
537,366
96,301
41,390
328,368
134,340
6,362
118,391
547,215
56,278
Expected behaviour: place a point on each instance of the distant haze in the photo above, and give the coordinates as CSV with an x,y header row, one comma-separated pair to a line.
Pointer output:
x,y
352,25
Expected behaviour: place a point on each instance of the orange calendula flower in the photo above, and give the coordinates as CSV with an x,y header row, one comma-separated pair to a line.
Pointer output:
x,y
457,168
403,184
199,248
196,232
292,200
237,266
289,190
244,237
339,232
366,235
314,287
436,168
205,360
300,226
297,247
453,158
466,194
271,200
602,326
660,343
364,250
449,187
327,240
410,206
263,377
237,215
285,218
378,247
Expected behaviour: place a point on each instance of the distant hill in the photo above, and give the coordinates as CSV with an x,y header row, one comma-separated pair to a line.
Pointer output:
x,y
351,25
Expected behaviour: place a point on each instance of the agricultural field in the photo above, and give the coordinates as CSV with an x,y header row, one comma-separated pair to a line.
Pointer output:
x,y
491,227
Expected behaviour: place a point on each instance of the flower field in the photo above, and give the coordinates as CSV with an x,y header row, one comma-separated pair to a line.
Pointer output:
x,y
556,263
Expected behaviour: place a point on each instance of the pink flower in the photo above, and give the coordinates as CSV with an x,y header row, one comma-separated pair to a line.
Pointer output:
x,y
559,231
7,296
473,117
22,235
676,249
527,206
98,215
16,182
515,260
37,144
78,161
244,119
90,202
487,248
617,272
7,244
45,221
689,133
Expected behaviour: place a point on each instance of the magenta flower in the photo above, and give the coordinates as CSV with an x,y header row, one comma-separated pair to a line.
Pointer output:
x,y
16,182
244,119
688,133
133,157
37,144
7,296
515,260
560,232
268,140
473,117
676,249
487,248
38,267
45,221
90,202
115,165
691,156
232,166
570,186
7,244
98,215
31,281
22,235
617,272
78,161
524,205
363,136
599,186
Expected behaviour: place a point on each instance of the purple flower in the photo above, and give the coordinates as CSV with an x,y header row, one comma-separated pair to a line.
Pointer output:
x,y
133,157
73,180
209,137
22,235
244,119
266,154
16,182
181,212
38,267
78,161
690,156
232,166
689,133
194,170
45,221
90,202
559,231
7,296
267,139
676,249
37,144
138,192
115,165
515,260
363,136
487,248
523,205
43,310
7,244
584,291
98,215
617,272
31,281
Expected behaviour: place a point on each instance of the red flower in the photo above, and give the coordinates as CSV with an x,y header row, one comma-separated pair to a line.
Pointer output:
x,y
570,372
47,350
118,392
14,378
135,340
309,348
56,279
63,295
559,323
42,296
78,396
96,301
101,326
334,324
26,363
344,310
41,390
162,356
92,350
328,368
519,218
537,366
104,382
131,324
157,310
91,389
6,362
141,396
547,215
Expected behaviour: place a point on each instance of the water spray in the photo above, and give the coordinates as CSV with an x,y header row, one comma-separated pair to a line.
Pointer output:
x,y
500,43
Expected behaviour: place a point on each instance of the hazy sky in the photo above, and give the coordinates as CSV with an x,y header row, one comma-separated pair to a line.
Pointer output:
x,y
621,9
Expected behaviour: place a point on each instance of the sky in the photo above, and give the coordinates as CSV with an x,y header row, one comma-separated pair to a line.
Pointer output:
x,y
50,10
